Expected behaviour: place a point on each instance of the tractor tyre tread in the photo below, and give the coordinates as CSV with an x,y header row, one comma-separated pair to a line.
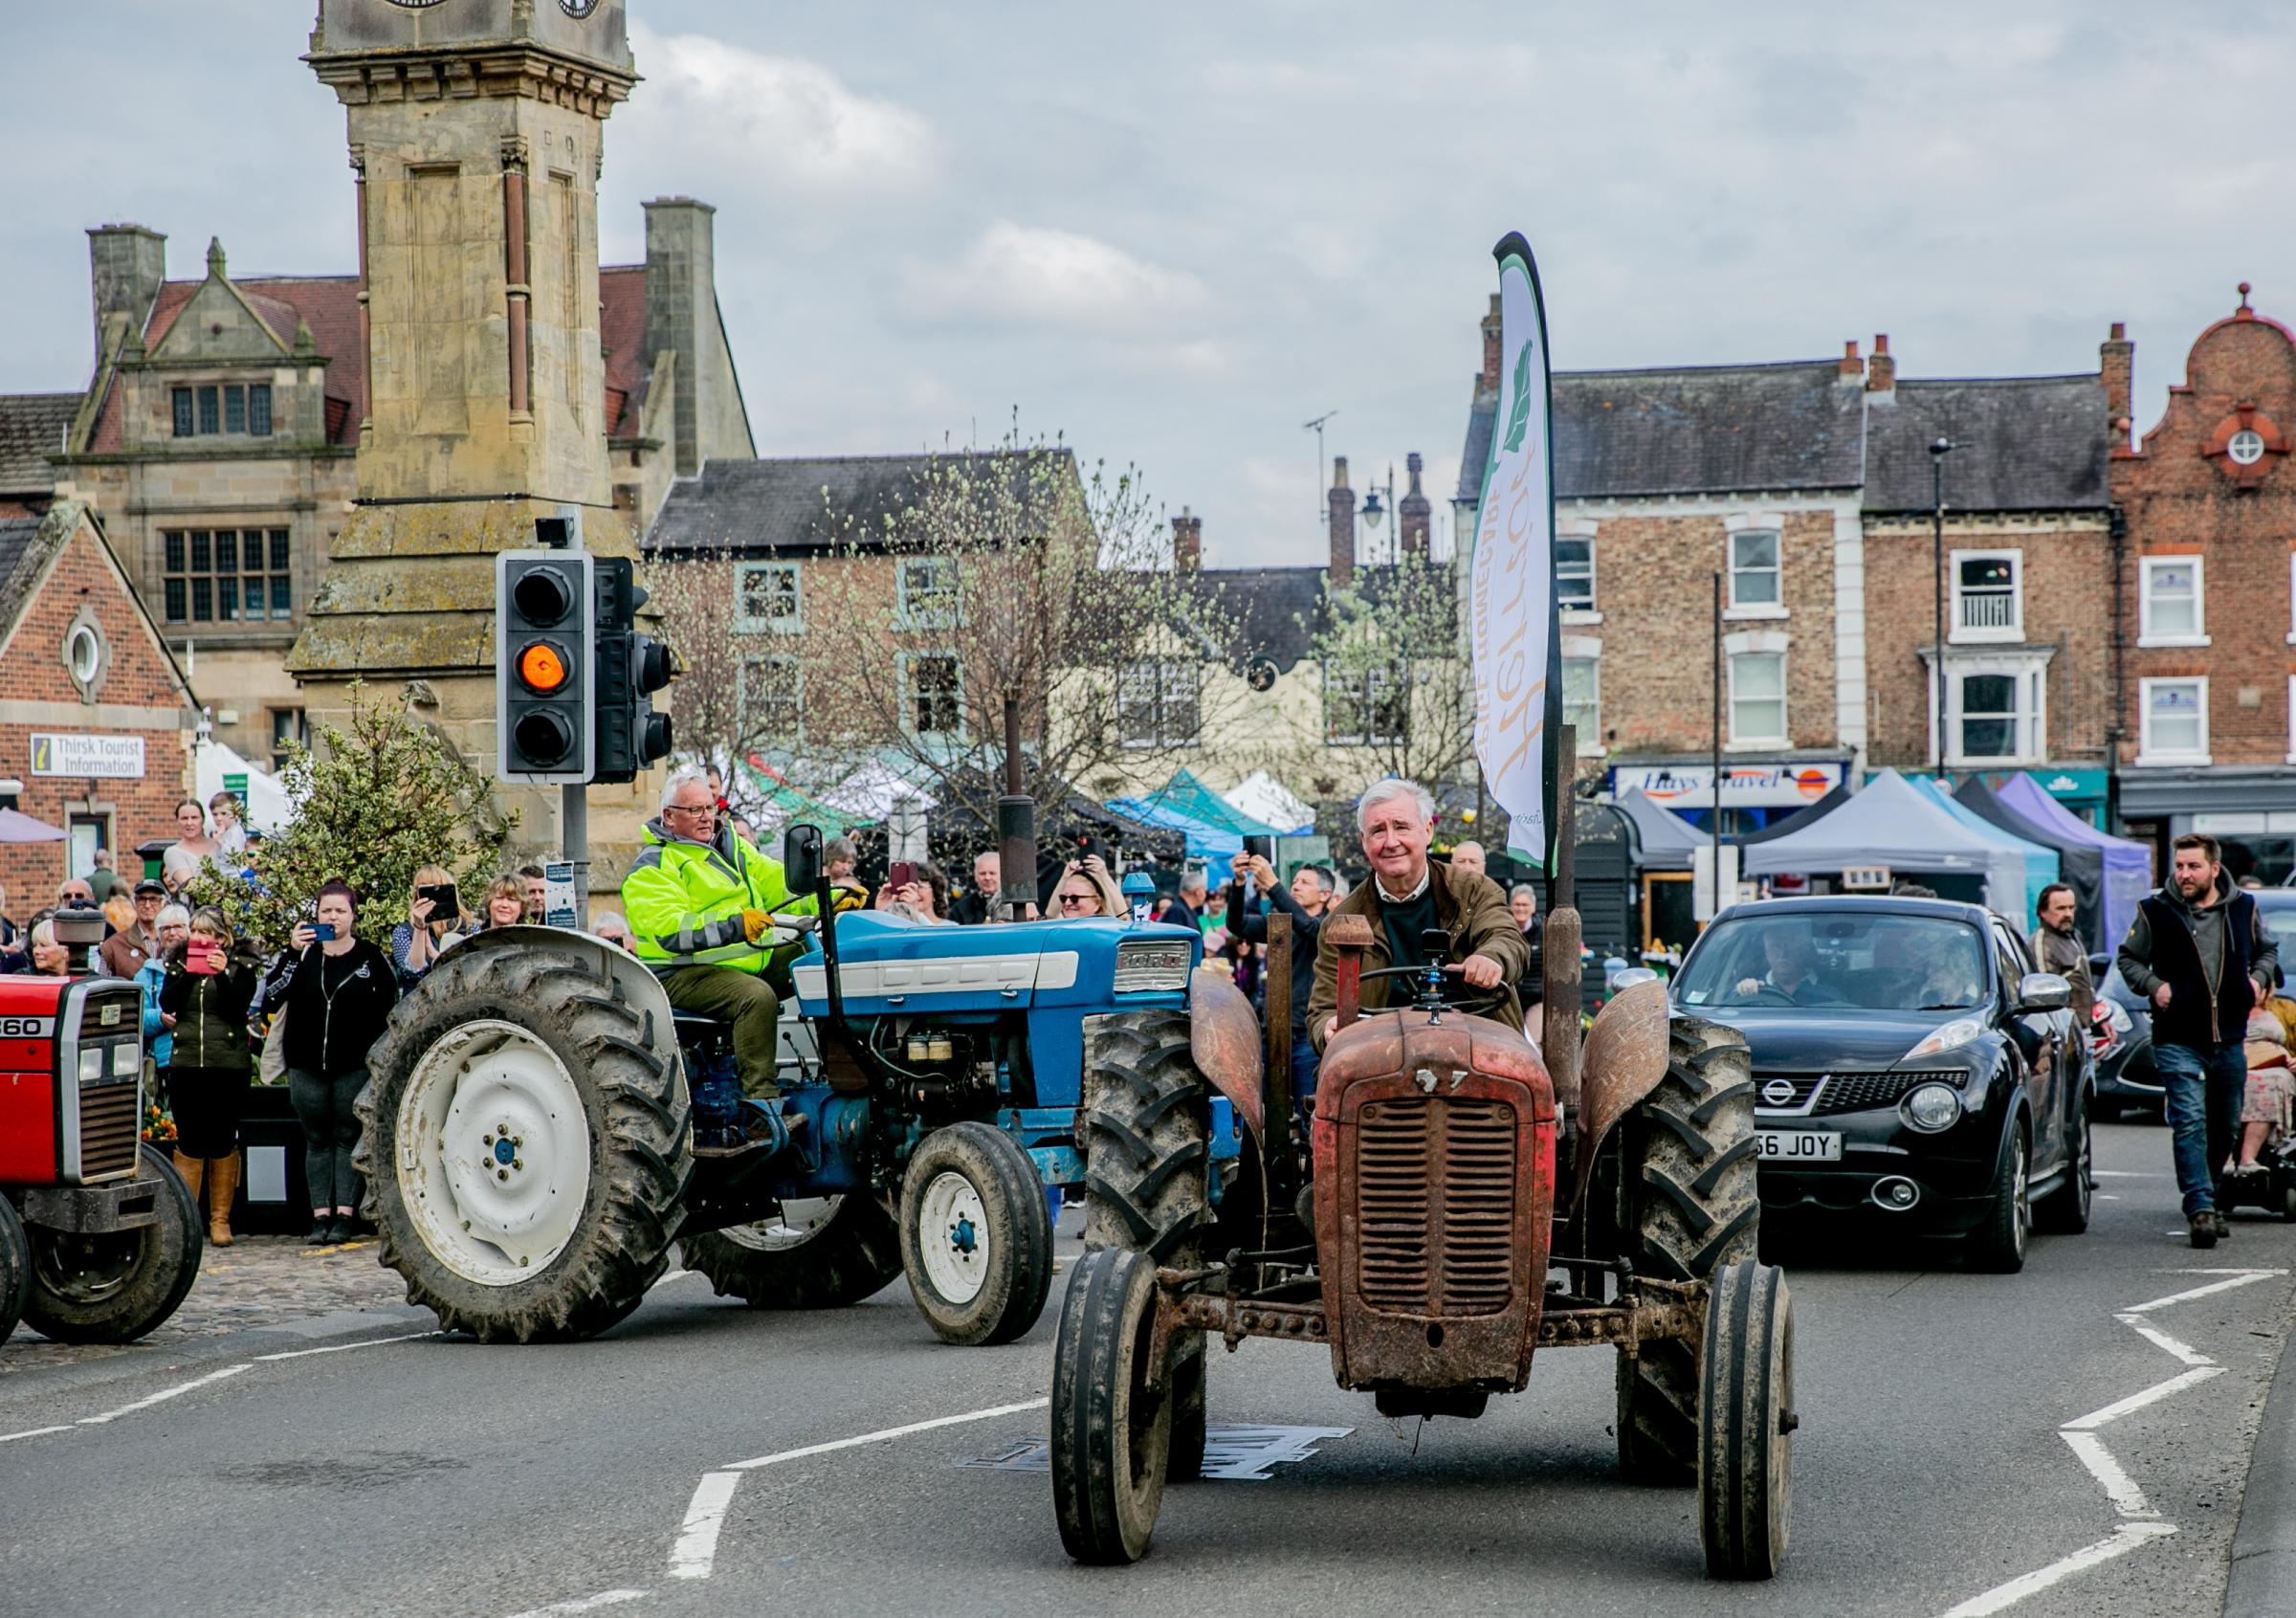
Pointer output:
x,y
639,1163
1019,1274
856,1256
164,1271
16,1267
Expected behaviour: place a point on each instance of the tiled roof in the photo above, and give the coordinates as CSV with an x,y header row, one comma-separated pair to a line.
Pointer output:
x,y
1277,612
798,504
1706,430
330,305
2024,443
31,429
17,535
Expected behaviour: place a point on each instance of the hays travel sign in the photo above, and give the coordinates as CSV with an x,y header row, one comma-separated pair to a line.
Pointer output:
x,y
1743,786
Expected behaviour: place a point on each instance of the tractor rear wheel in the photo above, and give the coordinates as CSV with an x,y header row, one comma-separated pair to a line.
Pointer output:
x,y
976,1235
1746,1423
114,1287
1111,1430
16,1267
1147,1158
524,1138
820,1253
1688,1208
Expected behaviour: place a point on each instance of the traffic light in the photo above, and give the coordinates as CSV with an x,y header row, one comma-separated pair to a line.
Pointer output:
x,y
546,666
630,668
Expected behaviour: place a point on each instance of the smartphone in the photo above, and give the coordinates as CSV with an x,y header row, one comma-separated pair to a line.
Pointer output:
x,y
1260,845
445,906
900,873
206,962
323,931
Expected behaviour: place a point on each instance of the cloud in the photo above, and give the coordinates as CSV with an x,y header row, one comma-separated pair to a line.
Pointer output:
x,y
782,117
1023,275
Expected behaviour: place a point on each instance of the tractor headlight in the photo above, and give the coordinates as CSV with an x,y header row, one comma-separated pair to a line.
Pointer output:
x,y
127,1059
1143,964
91,1064
1931,1107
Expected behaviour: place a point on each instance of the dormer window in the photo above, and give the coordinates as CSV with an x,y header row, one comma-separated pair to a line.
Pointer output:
x,y
215,408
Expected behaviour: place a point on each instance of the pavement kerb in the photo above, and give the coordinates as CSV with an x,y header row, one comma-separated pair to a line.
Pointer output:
x,y
2262,1580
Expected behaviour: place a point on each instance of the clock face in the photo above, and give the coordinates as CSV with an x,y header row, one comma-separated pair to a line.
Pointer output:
x,y
2246,447
578,8
414,5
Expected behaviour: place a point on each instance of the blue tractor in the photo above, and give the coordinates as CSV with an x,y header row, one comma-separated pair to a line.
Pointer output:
x,y
540,1128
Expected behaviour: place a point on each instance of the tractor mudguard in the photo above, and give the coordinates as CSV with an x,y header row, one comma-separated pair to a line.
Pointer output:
x,y
1223,1036
1623,1060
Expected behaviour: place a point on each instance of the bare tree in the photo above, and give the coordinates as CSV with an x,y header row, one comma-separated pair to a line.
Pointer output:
x,y
736,691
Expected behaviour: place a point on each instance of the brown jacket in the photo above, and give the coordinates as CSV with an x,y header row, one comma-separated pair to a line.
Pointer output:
x,y
122,953
1473,909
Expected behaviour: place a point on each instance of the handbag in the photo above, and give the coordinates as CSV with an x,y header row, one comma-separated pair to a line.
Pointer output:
x,y
273,1067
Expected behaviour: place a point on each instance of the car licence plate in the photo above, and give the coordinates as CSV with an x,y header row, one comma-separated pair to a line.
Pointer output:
x,y
1799,1146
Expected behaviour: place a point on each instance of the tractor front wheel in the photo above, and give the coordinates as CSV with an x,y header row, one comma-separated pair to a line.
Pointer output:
x,y
976,1235
16,1267
1112,1431
1746,1423
1689,1207
818,1254
116,1286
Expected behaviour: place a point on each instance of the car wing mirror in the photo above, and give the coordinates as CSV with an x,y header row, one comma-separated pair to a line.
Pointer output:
x,y
2042,991
801,859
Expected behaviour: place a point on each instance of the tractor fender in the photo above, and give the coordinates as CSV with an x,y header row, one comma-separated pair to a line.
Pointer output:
x,y
1224,1037
639,987
1623,1060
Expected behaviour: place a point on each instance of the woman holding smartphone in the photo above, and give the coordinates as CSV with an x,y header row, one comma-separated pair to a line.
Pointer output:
x,y
433,921
206,988
337,999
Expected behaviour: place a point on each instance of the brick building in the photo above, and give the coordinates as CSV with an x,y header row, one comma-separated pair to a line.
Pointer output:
x,y
94,713
2206,594
215,440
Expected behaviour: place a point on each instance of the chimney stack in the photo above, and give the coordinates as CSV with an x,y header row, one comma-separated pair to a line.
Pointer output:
x,y
681,318
1849,367
1188,542
126,266
1341,501
1412,513
2116,364
1881,374
1487,384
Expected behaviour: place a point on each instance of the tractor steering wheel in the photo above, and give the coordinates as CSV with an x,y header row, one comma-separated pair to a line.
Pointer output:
x,y
1460,1002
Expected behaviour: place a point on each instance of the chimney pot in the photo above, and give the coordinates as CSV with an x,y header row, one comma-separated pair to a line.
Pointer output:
x,y
1881,342
2120,331
1881,371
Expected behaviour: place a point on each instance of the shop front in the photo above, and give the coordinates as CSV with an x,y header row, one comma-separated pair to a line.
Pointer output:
x,y
1755,791
2250,810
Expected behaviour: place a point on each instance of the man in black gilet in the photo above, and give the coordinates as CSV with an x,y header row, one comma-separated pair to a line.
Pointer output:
x,y
2200,954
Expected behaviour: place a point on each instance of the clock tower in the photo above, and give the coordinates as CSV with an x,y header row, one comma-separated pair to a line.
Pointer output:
x,y
476,131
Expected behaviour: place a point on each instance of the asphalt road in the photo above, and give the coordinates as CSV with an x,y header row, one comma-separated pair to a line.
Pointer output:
x,y
432,1475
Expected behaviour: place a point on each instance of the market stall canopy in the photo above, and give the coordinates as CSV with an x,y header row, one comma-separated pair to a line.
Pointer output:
x,y
2127,866
1799,820
776,802
1192,798
1204,840
1264,797
17,827
2042,864
1894,824
2081,866
268,807
1668,841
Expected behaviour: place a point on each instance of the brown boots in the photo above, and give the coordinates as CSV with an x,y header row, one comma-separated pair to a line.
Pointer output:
x,y
223,1184
222,1178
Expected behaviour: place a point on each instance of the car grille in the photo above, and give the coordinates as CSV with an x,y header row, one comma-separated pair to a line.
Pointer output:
x,y
1450,1254
1844,1091
1767,1099
108,1129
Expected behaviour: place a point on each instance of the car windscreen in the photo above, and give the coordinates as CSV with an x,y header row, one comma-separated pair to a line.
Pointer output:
x,y
2279,913
1835,959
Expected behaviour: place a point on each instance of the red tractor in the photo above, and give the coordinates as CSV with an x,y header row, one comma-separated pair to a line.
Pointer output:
x,y
99,1237
1457,1203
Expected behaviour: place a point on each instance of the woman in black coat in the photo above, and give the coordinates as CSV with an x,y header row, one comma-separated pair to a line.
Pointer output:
x,y
337,998
204,991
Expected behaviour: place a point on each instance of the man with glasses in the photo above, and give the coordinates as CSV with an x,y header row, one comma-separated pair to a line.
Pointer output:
x,y
702,902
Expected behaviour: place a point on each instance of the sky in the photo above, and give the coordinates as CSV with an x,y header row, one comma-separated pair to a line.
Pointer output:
x,y
1171,234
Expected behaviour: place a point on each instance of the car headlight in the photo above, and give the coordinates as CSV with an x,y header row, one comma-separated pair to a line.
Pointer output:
x,y
1930,1107
1959,1032
1143,964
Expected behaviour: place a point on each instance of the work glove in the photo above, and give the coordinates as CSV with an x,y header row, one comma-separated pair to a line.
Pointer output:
x,y
756,924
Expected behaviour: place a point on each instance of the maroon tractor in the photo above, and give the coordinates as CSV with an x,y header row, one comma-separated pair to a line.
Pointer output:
x,y
1454,1204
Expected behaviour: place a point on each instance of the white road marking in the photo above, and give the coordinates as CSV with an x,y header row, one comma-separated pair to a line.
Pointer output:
x,y
583,1603
2125,1174
2124,1538
2161,1339
2120,1408
162,1396
695,1552
34,1432
2245,1278
881,1435
344,1347
2119,1486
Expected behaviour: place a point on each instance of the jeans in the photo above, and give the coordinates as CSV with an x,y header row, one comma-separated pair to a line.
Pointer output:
x,y
1303,1064
2204,1085
330,1130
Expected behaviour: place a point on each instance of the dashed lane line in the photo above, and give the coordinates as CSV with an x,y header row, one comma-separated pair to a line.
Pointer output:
x,y
344,1347
883,1433
162,1396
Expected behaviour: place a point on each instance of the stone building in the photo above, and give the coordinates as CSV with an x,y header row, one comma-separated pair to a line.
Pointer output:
x,y
95,715
2204,599
215,440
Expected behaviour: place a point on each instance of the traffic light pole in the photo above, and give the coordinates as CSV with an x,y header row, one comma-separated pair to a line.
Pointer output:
x,y
574,832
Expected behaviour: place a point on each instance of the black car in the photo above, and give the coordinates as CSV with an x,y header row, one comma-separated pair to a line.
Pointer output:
x,y
1910,1067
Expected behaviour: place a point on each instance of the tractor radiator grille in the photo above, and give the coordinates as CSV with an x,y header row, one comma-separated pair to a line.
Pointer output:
x,y
1436,1181
108,1129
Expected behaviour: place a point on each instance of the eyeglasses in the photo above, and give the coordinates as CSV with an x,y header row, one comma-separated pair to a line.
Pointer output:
x,y
692,808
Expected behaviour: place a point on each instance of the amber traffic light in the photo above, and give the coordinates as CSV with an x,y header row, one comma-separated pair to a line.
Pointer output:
x,y
546,666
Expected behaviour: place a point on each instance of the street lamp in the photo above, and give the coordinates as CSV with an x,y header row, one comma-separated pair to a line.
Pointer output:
x,y
1373,510
1938,450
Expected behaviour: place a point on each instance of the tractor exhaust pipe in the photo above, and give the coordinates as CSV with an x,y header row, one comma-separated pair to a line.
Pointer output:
x,y
1016,855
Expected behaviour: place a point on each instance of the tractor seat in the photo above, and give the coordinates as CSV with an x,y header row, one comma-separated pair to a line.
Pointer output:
x,y
694,1026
